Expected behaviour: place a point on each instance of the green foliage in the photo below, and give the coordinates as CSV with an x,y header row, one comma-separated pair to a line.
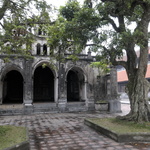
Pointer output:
x,y
11,135
3,130
102,102
73,28
102,67
73,58
105,26
121,126
17,18
69,11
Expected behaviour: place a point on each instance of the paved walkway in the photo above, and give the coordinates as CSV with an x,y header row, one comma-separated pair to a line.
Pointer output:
x,y
66,131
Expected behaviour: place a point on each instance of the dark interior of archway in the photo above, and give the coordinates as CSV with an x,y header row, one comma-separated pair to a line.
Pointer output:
x,y
72,86
13,87
43,85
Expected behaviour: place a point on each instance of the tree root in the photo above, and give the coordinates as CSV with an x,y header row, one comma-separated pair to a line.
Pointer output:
x,y
133,117
128,117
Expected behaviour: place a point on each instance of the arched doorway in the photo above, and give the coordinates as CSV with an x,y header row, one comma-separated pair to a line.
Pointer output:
x,y
13,87
72,86
43,85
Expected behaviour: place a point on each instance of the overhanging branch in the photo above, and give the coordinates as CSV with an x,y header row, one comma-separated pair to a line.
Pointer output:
x,y
91,45
111,21
4,8
121,63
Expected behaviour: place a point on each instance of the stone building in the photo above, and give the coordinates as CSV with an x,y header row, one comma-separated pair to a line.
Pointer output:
x,y
42,84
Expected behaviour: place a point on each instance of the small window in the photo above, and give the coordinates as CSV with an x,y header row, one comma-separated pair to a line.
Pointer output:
x,y
38,49
39,31
44,49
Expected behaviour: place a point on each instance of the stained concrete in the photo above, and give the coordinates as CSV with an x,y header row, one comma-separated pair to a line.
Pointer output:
x,y
66,131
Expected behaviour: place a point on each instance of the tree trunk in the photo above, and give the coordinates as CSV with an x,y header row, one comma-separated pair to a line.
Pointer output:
x,y
137,90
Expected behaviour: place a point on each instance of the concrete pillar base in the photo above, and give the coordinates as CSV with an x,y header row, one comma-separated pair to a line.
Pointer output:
x,y
28,109
114,106
62,104
90,105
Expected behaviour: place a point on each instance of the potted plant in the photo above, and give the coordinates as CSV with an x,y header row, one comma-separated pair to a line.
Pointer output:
x,y
101,105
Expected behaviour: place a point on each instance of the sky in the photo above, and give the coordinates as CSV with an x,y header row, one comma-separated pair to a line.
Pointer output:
x,y
58,3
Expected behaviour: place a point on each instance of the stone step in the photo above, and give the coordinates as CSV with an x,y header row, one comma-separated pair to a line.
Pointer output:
x,y
44,105
76,104
76,109
11,112
41,108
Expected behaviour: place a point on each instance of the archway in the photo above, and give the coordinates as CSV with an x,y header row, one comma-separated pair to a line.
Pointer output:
x,y
13,87
43,85
73,93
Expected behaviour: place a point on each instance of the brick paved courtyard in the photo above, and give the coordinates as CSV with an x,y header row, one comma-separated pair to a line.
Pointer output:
x,y
65,131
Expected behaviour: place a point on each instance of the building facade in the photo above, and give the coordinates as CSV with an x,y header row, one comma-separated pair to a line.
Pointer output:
x,y
43,84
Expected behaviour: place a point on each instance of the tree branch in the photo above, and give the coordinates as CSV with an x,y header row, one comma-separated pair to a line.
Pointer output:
x,y
2,25
121,63
4,8
121,23
111,21
91,45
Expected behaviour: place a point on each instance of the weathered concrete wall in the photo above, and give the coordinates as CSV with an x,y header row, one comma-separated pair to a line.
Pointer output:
x,y
100,88
27,67
91,88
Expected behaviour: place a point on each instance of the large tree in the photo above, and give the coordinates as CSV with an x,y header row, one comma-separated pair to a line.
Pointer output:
x,y
110,28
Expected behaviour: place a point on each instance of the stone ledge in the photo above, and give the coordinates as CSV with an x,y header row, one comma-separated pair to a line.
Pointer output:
x,y
22,146
126,138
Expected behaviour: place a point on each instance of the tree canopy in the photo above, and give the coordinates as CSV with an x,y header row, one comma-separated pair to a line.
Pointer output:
x,y
16,21
105,28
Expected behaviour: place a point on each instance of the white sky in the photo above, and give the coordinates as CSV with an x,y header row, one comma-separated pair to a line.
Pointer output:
x,y
58,3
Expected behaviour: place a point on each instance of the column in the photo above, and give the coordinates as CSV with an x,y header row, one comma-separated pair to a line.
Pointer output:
x,y
48,50
114,103
90,97
28,89
62,93
41,50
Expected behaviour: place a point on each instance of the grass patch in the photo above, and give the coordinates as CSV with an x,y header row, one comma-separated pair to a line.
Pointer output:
x,y
121,126
101,102
11,135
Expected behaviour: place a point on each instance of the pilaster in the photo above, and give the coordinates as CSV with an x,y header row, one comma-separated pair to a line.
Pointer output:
x,y
28,89
62,92
112,92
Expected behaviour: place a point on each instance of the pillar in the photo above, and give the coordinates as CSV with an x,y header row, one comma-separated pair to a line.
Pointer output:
x,y
62,89
28,88
112,92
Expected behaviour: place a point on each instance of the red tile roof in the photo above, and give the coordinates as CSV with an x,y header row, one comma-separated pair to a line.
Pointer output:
x,y
122,75
148,71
